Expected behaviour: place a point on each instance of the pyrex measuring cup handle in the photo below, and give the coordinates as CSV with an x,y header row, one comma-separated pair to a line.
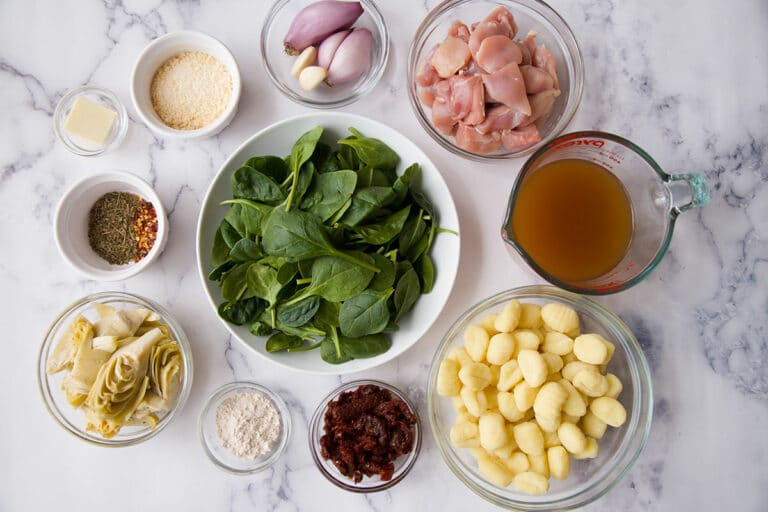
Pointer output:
x,y
688,191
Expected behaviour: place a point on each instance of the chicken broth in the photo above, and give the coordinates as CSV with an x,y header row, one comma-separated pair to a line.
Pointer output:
x,y
574,219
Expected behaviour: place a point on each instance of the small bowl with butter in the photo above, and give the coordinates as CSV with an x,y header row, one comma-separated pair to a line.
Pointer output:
x,y
90,120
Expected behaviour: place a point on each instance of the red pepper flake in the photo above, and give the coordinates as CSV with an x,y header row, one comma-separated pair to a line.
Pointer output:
x,y
145,229
366,430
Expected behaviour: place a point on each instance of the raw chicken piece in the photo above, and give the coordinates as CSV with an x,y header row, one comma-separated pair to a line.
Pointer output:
x,y
483,30
442,117
427,74
506,86
530,42
471,140
541,104
501,118
467,100
525,51
459,31
536,80
543,59
452,55
496,52
426,96
520,137
502,15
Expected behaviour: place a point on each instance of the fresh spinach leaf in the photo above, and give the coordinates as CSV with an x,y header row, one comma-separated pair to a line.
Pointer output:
x,y
300,153
262,282
413,231
260,328
331,352
329,192
402,183
324,158
298,235
248,183
365,202
427,271
347,157
234,284
220,249
250,215
382,232
229,234
327,315
365,346
218,272
364,314
336,280
370,177
271,166
241,312
298,313
281,341
386,277
406,293
245,250
371,152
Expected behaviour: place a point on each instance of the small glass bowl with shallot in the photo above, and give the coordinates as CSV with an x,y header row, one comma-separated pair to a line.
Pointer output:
x,y
494,79
324,54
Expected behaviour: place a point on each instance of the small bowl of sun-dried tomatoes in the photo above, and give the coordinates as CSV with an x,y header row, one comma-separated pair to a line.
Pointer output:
x,y
365,436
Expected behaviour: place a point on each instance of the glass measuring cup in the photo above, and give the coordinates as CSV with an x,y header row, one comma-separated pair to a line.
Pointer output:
x,y
657,199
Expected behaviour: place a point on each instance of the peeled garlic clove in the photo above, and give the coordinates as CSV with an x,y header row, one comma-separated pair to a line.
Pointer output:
x,y
311,77
352,57
317,21
305,59
328,47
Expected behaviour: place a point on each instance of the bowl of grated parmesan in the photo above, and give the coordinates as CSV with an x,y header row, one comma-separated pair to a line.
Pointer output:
x,y
186,85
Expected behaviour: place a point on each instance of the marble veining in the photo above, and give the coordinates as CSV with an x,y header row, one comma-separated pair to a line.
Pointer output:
x,y
687,81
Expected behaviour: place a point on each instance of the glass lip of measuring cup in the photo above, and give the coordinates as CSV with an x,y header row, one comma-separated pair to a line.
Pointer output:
x,y
694,189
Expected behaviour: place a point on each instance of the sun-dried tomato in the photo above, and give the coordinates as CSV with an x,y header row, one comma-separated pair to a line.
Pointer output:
x,y
366,430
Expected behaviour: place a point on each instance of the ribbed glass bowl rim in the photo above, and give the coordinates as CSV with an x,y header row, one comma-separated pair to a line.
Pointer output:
x,y
58,121
374,75
316,431
285,421
562,32
49,338
639,422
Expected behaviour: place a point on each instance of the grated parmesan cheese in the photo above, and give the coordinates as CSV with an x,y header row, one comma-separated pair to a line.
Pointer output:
x,y
190,90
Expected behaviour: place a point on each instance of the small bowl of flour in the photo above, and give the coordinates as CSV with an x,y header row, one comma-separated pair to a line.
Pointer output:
x,y
244,427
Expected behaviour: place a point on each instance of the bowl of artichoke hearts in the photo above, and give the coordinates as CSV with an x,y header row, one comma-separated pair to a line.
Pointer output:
x,y
114,369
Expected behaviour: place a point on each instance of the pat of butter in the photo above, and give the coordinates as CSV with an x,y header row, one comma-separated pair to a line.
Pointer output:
x,y
90,121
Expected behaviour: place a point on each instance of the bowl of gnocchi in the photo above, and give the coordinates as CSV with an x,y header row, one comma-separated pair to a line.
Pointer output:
x,y
540,399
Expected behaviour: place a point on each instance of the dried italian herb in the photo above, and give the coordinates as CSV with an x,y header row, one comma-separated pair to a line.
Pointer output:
x,y
111,231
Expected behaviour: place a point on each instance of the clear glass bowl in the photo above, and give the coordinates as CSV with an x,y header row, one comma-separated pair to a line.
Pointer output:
x,y
209,436
278,64
73,420
618,449
552,31
103,97
403,464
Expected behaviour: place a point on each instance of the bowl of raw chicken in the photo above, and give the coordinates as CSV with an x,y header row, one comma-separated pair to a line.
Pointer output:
x,y
114,369
494,79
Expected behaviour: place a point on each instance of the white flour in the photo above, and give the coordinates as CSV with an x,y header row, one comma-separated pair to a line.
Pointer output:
x,y
248,424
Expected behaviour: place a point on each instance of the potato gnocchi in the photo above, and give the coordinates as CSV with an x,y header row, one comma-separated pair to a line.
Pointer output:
x,y
531,392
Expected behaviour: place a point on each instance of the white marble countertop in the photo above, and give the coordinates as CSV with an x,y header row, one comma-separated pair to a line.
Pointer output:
x,y
686,80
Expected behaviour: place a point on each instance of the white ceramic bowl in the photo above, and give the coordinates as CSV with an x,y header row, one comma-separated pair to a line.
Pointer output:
x,y
278,139
71,224
162,49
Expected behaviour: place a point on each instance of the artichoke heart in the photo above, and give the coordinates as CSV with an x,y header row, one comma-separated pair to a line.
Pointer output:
x,y
63,355
121,384
119,322
85,367
165,370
